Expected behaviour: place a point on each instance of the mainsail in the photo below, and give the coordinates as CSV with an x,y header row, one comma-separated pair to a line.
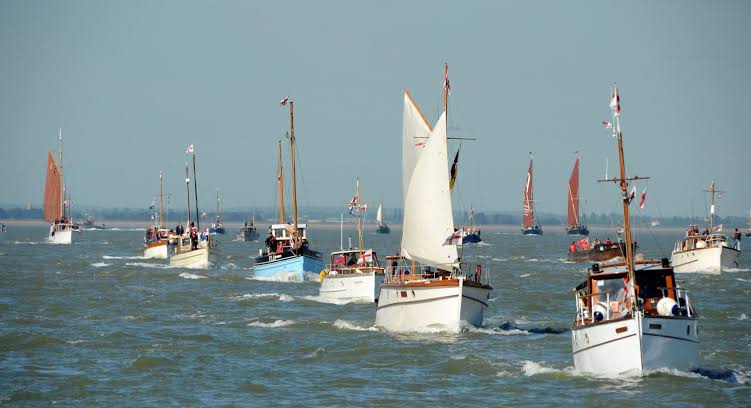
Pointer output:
x,y
428,220
529,205
53,209
379,214
573,196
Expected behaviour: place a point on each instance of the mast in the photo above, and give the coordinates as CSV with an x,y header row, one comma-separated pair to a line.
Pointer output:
x,y
187,188
280,181
359,223
217,205
712,190
446,88
292,151
161,200
341,232
195,190
62,182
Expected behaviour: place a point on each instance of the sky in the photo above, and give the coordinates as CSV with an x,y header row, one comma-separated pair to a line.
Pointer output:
x,y
133,83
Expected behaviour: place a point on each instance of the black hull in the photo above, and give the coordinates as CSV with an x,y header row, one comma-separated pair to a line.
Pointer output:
x,y
578,230
383,229
537,230
248,234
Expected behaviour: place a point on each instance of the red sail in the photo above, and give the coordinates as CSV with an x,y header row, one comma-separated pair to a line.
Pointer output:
x,y
529,206
573,196
52,191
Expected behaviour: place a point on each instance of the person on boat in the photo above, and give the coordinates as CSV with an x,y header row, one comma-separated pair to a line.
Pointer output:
x,y
737,238
193,236
608,242
572,247
595,242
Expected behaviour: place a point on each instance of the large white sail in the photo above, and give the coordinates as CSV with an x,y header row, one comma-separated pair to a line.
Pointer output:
x,y
379,214
415,133
428,220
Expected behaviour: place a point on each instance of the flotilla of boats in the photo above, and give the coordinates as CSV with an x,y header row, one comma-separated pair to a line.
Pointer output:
x,y
631,313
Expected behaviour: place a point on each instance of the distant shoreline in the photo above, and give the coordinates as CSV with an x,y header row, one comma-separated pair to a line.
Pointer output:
x,y
235,225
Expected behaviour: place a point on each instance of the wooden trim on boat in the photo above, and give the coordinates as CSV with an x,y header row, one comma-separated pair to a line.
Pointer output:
x,y
422,284
155,244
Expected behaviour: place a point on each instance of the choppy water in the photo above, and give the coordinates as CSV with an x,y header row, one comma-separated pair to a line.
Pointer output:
x,y
93,324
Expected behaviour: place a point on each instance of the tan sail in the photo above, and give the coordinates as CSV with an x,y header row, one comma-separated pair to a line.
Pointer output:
x,y
573,196
53,187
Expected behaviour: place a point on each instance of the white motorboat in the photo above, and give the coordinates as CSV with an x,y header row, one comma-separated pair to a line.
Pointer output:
x,y
156,240
706,252
425,287
354,274
56,209
632,316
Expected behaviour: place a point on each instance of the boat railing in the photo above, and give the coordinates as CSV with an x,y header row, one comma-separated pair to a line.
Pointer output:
x,y
612,307
400,272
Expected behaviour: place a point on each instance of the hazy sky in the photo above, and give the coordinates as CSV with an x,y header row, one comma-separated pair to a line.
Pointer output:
x,y
132,83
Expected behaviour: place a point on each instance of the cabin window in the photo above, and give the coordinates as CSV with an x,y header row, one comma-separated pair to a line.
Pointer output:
x,y
650,284
612,289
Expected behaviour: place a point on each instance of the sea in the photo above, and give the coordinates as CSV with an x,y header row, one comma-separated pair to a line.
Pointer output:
x,y
95,324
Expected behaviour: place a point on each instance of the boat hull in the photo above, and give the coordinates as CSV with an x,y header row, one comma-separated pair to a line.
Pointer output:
x,y
293,268
60,236
216,230
599,253
532,231
197,258
156,250
636,344
383,229
248,234
578,230
363,287
472,238
414,307
705,260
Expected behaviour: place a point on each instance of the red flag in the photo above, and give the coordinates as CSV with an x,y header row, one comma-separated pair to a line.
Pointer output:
x,y
643,198
615,101
284,101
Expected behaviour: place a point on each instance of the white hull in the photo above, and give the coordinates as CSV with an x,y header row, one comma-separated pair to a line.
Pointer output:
x,y
160,251
198,258
636,344
413,308
60,237
707,260
352,286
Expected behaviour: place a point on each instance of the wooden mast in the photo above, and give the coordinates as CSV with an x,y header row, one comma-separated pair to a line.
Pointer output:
x,y
280,181
195,190
161,200
187,188
292,151
712,190
62,182
359,222
217,206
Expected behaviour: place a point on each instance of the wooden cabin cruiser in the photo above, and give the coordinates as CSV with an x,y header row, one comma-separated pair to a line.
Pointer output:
x,y
599,252
185,254
287,256
708,252
156,243
353,275
425,287
632,316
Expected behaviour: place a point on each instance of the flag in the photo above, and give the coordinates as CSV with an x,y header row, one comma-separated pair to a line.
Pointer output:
x,y
365,257
284,101
189,149
607,124
454,239
446,83
420,144
352,204
454,171
643,198
615,101
631,195
363,207
204,215
717,229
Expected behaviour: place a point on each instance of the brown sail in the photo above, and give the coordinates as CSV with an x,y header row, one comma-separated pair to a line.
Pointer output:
x,y
529,207
573,196
52,191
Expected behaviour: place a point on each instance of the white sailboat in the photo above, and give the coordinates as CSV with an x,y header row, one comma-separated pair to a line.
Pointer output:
x,y
707,252
55,202
354,274
381,226
425,286
192,248
632,316
156,240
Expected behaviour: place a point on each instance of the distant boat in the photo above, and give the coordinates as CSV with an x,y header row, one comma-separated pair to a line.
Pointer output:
x,y
654,223
156,239
530,226
575,226
708,251
425,286
90,223
248,231
217,227
748,224
3,228
598,252
381,226
56,209
471,234
192,248
354,274
632,316
287,255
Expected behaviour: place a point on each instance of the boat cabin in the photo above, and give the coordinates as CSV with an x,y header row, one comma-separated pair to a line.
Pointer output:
x,y
155,234
283,232
352,258
604,295
693,242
